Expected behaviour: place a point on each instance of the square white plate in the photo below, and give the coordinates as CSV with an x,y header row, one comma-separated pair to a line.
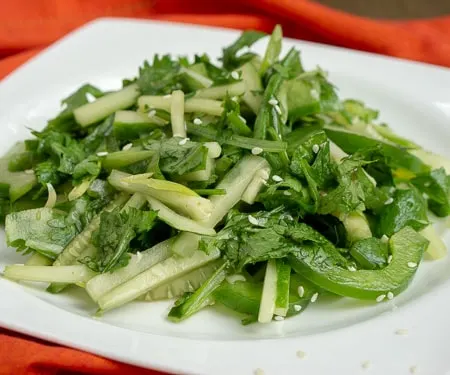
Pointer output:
x,y
337,335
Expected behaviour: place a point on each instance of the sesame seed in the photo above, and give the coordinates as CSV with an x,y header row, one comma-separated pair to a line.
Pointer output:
x,y
301,291
139,256
390,295
380,298
314,297
127,146
314,94
413,369
235,75
279,318
197,121
277,178
401,332
297,307
259,371
152,113
412,264
183,141
287,193
90,98
355,120
389,201
384,238
278,109
365,364
392,189
389,260
29,171
315,148
102,153
351,268
235,99
273,102
168,96
253,220
257,150
301,354
425,196
233,278
427,184
242,119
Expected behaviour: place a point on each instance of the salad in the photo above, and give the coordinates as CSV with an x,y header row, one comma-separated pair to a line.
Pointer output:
x,y
247,183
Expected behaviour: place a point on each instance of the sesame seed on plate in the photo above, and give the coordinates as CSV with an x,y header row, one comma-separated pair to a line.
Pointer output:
x,y
243,119
152,113
273,102
259,371
297,307
301,291
102,153
380,298
287,193
279,318
235,75
301,354
197,121
314,297
183,141
412,264
315,148
401,332
277,178
390,295
365,364
127,147
389,260
389,201
413,369
29,171
257,150
253,220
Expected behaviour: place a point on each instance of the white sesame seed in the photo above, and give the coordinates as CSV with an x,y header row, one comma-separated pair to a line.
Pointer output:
x,y
425,196
257,150
233,278
243,119
384,238
102,153
351,268
278,109
314,297
279,318
380,298
235,75
297,307
127,146
365,364
197,121
315,148
259,371
277,178
301,291
389,201
389,260
301,354
392,189
273,102
183,141
90,98
29,171
287,193
253,220
152,113
401,332
139,256
413,369
390,295
355,120
427,184
168,96
235,99
412,264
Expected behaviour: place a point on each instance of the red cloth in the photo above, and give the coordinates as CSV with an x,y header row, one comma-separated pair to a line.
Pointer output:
x,y
28,26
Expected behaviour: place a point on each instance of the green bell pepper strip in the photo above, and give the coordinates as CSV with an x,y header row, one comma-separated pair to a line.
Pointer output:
x,y
407,248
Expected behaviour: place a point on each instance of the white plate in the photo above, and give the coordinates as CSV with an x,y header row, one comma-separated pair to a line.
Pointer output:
x,y
336,335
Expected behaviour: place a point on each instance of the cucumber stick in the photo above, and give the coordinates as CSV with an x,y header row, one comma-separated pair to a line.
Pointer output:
x,y
207,106
219,92
121,159
195,79
63,274
252,96
187,283
38,260
91,113
19,183
129,125
161,273
105,282
269,294
177,114
283,282
436,248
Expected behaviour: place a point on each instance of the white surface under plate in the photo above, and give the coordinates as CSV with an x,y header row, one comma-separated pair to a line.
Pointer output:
x,y
337,335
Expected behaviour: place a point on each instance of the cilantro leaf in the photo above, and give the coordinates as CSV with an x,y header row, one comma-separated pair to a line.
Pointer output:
x,y
230,58
436,186
159,78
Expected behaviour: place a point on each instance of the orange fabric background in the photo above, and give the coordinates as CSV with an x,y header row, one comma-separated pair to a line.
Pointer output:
x,y
28,26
